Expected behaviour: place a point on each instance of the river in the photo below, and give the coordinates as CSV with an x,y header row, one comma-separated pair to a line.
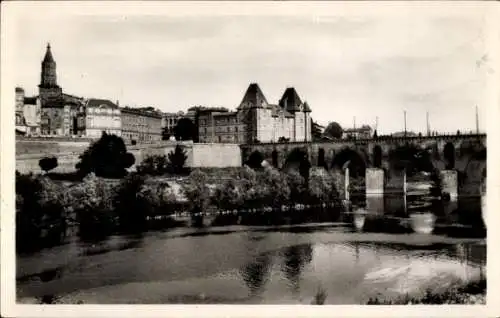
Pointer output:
x,y
247,265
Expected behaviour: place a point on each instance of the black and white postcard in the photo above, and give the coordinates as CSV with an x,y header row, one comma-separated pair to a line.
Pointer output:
x,y
210,158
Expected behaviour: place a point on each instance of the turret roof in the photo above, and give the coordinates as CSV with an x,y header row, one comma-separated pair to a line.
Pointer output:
x,y
253,97
290,100
306,109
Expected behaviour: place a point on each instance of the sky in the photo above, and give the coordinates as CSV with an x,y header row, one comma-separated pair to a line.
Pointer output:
x,y
345,63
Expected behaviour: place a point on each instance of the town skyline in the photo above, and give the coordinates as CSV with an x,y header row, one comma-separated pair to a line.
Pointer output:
x,y
174,63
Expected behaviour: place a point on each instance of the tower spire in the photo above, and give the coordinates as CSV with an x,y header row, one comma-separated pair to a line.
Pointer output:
x,y
48,76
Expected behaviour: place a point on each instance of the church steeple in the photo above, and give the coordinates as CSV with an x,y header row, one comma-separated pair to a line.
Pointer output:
x,y
48,55
48,76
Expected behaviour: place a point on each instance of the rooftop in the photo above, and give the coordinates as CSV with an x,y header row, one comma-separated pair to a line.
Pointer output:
x,y
290,100
96,102
253,97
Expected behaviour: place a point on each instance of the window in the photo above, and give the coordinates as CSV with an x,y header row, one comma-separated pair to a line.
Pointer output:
x,y
236,129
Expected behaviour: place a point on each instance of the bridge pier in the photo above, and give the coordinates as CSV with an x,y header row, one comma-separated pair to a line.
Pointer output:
x,y
449,183
374,181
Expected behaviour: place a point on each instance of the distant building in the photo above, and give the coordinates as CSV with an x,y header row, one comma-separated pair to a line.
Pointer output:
x,y
19,106
32,115
255,120
364,132
221,127
141,125
102,115
169,120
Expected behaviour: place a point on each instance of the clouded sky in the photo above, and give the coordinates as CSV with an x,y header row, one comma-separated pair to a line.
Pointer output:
x,y
345,63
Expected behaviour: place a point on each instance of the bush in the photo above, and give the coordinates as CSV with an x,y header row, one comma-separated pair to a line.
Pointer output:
x,y
322,189
470,293
41,205
276,188
196,191
128,205
177,160
228,195
153,165
297,186
47,164
160,164
93,205
106,157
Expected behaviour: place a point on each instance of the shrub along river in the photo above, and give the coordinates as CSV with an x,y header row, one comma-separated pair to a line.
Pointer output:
x,y
286,264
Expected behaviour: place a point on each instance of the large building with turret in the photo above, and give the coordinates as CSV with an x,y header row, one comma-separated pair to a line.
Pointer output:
x,y
256,120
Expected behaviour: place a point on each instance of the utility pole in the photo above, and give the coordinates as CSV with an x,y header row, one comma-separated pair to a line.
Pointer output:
x,y
477,121
405,121
428,126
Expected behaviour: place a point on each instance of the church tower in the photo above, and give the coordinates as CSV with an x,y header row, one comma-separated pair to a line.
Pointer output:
x,y
48,88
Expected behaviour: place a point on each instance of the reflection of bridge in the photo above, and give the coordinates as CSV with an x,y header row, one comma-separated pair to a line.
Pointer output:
x,y
461,152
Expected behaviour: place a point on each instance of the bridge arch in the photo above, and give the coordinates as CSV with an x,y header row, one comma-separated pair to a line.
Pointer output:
x,y
411,158
349,158
255,159
298,159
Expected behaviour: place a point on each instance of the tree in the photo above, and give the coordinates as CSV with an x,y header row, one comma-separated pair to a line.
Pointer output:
x,y
47,164
197,193
316,130
177,159
153,165
166,132
228,196
333,130
107,157
185,129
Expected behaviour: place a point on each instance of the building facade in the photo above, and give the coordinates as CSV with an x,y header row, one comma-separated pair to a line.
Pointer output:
x,y
141,125
255,120
102,115
19,106
27,114
221,127
364,132
169,120
32,115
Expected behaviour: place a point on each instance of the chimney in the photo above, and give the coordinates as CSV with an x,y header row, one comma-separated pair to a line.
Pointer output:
x,y
117,103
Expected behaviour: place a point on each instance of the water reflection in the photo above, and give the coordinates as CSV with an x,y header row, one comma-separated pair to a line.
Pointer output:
x,y
375,204
256,273
295,259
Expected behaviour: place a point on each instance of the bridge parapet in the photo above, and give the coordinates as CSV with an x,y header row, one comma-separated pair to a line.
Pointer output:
x,y
377,139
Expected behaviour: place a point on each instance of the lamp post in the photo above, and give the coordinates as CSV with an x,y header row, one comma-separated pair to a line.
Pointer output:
x,y
405,121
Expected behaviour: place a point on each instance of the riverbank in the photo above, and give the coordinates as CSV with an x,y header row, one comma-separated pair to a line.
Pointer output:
x,y
466,293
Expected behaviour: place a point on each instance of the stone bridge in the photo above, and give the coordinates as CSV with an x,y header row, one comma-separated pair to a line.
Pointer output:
x,y
464,153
